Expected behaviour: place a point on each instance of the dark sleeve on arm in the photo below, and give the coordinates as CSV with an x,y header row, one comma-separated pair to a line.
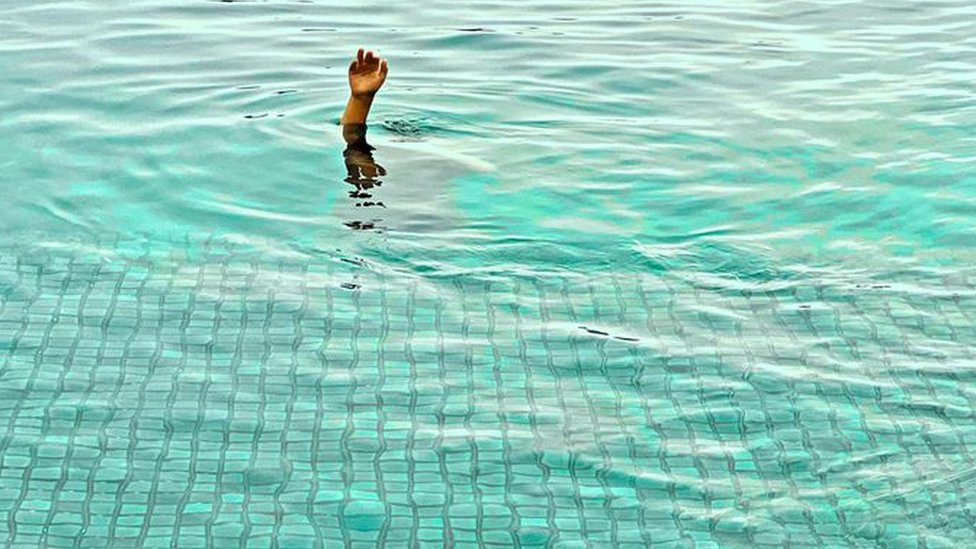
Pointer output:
x,y
355,136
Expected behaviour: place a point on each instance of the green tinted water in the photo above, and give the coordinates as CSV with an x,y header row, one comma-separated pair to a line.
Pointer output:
x,y
647,274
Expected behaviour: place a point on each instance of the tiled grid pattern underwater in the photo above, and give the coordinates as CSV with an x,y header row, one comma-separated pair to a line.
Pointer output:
x,y
222,400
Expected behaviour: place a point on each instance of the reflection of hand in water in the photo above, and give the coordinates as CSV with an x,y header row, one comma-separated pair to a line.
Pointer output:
x,y
367,73
362,167
362,173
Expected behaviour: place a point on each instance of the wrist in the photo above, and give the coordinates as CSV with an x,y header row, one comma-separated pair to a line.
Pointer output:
x,y
363,96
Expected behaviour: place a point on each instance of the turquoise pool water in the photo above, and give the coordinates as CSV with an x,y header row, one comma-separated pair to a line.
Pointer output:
x,y
691,274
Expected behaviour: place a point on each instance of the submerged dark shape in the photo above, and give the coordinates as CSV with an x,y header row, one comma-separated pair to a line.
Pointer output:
x,y
607,334
353,261
360,225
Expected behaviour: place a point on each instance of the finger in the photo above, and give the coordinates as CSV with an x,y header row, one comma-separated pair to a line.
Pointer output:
x,y
370,56
353,66
359,54
383,68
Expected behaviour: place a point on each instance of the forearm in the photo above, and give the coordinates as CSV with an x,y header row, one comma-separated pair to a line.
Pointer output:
x,y
357,109
354,121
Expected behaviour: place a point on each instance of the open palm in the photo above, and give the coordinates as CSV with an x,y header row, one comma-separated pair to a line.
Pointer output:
x,y
366,74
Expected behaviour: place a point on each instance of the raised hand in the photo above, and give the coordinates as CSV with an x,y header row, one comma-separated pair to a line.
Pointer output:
x,y
366,74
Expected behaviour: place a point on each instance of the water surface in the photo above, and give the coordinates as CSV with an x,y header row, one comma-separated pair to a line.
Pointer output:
x,y
691,274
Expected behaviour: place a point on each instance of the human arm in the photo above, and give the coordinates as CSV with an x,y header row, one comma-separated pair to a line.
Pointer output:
x,y
367,73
